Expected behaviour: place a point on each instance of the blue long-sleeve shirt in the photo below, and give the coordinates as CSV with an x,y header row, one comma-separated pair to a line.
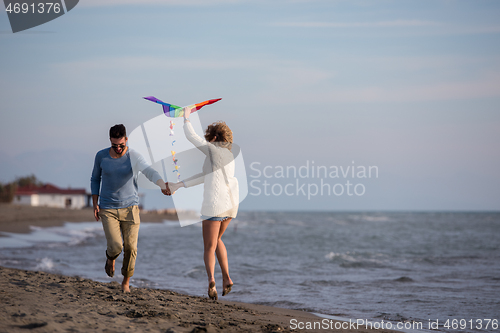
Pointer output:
x,y
115,179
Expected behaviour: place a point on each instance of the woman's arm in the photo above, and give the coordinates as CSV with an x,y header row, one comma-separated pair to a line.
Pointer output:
x,y
191,135
194,138
197,179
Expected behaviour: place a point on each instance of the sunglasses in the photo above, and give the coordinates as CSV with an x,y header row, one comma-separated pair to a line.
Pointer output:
x,y
122,146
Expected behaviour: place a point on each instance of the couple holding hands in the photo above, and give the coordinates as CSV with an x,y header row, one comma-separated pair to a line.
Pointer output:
x,y
115,197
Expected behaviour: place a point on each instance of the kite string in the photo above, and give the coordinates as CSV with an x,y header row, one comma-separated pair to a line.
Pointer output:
x,y
176,167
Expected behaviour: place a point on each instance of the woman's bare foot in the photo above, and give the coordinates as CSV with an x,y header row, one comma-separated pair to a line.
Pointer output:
x,y
212,292
227,285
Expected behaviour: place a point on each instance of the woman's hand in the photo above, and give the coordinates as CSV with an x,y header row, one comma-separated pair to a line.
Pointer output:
x,y
187,112
174,186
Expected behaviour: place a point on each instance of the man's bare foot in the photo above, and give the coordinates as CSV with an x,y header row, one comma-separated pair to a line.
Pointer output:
x,y
126,285
110,267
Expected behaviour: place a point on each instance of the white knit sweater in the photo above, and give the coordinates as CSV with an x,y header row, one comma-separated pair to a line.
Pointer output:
x,y
219,188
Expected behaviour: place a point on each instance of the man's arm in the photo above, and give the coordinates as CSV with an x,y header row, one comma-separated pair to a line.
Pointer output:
x,y
95,199
163,186
140,164
95,185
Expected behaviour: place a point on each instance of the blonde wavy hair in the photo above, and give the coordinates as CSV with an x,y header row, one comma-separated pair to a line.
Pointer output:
x,y
224,136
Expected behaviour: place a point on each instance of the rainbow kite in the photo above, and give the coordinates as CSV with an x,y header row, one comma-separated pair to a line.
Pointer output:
x,y
175,111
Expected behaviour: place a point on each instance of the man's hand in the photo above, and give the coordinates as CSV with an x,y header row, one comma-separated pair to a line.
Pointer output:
x,y
95,201
96,212
166,191
163,186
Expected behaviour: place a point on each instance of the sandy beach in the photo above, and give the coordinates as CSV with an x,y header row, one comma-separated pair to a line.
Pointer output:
x,y
44,302
55,303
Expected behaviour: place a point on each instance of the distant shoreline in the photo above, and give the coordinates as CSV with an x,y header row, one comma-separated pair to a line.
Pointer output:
x,y
19,218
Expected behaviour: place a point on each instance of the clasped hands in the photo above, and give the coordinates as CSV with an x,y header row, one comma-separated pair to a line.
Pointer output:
x,y
168,188
172,188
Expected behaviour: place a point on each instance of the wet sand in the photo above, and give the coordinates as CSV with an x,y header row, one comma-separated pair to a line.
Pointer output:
x,y
43,302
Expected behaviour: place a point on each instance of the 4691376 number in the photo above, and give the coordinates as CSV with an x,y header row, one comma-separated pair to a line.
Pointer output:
x,y
40,8
477,324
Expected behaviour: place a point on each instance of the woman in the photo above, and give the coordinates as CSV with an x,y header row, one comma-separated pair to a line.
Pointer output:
x,y
220,195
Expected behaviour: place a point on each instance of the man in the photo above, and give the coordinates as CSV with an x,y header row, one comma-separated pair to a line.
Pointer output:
x,y
116,201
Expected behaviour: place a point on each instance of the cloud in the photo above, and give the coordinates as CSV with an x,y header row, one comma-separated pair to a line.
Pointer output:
x,y
380,24
325,91
136,69
492,29
382,79
130,63
444,29
298,82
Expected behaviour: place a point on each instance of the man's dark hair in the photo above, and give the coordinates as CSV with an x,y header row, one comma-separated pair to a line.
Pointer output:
x,y
117,132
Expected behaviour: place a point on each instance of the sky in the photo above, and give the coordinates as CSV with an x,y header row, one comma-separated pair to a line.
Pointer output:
x,y
312,90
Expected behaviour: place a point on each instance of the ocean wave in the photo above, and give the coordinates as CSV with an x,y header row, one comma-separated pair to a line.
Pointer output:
x,y
404,279
69,234
196,272
7,262
144,283
45,264
371,218
168,223
325,283
358,259
284,304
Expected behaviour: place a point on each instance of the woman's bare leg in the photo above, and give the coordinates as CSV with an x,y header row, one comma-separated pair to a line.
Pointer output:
x,y
210,236
212,233
222,255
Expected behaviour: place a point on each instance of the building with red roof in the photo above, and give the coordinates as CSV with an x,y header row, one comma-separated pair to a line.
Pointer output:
x,y
49,195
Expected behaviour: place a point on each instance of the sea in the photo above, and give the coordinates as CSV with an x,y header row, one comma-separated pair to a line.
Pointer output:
x,y
417,271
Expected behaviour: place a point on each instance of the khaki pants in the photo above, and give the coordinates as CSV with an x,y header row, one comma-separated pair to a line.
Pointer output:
x,y
121,227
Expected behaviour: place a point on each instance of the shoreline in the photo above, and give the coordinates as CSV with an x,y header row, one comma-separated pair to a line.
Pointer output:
x,y
19,218
50,302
